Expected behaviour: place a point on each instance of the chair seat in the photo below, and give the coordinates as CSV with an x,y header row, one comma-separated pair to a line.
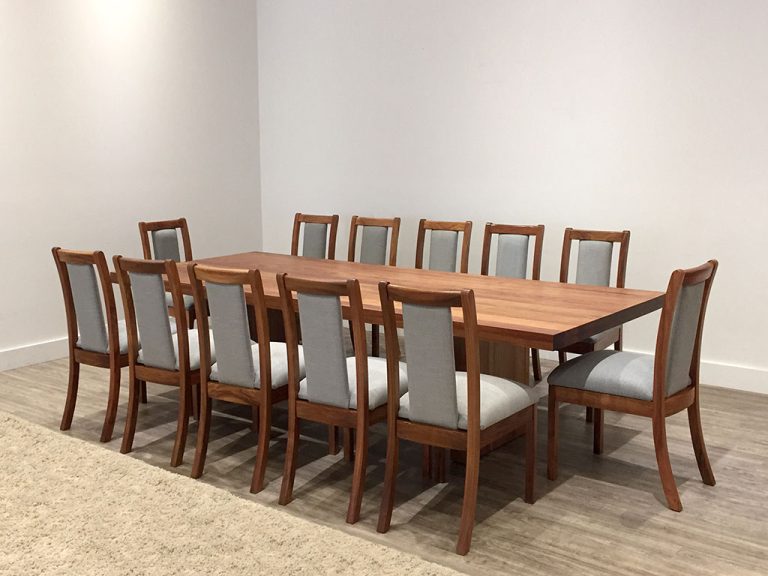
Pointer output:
x,y
279,361
189,301
499,399
627,374
599,341
193,339
377,382
122,335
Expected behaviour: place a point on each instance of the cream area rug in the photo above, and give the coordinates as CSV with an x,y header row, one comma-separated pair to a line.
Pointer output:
x,y
69,507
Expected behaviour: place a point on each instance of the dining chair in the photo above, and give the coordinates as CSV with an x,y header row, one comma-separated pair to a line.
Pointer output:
x,y
318,236
245,372
163,357
338,391
512,256
373,250
593,267
443,245
644,385
160,241
463,411
95,336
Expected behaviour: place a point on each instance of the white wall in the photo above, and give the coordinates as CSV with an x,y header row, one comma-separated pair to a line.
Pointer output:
x,y
111,112
650,116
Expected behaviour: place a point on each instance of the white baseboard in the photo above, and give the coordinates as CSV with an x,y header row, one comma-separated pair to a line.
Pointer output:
x,y
33,353
720,374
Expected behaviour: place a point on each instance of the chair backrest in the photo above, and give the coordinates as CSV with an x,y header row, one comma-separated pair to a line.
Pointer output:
x,y
443,245
678,345
512,248
88,300
429,353
373,245
322,337
160,240
593,265
142,285
318,235
223,292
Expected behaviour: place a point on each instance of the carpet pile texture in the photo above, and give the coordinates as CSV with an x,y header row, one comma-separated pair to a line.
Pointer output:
x,y
69,507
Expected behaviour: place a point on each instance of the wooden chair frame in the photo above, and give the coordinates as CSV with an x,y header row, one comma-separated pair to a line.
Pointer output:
x,y
537,232
394,225
185,378
112,359
332,221
146,228
473,439
260,399
358,419
464,227
661,406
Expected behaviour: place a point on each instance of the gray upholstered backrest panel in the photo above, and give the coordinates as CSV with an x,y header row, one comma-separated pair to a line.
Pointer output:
x,y
231,334
428,333
512,255
682,339
165,245
322,336
153,321
373,248
443,247
594,263
91,325
314,241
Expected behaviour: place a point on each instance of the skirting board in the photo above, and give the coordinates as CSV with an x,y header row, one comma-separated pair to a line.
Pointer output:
x,y
720,374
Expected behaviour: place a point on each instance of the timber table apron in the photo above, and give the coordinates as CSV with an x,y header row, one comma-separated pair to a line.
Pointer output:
x,y
512,315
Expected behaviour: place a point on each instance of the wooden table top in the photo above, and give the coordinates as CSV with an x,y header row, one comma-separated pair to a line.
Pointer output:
x,y
537,314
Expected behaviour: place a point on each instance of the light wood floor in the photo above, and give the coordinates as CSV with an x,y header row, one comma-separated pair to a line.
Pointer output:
x,y
605,515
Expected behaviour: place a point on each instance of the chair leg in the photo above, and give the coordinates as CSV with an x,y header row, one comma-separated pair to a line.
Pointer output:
x,y
390,479
469,505
262,451
597,442
114,395
553,422
254,418
665,467
438,467
203,434
697,435
562,358
375,345
426,461
195,389
348,435
143,392
289,470
185,403
134,391
69,405
530,457
536,361
333,439
358,477
589,416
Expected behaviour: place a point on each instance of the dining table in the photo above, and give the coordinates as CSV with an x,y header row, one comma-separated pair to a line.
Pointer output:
x,y
513,315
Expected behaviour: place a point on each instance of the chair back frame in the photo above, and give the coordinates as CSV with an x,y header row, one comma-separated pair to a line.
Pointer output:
x,y
332,221
622,238
492,229
99,262
361,221
465,228
677,281
146,229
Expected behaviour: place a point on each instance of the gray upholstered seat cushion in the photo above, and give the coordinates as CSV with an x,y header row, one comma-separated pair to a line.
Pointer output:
x,y
279,361
377,382
122,334
194,348
499,398
189,301
627,374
